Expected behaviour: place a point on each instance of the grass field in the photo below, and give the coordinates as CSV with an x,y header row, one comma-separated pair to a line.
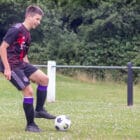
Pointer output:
x,y
98,111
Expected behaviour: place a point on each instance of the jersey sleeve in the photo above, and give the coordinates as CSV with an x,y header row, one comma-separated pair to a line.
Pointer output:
x,y
11,35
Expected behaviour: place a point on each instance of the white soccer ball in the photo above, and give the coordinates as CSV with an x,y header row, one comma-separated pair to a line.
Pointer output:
x,y
62,123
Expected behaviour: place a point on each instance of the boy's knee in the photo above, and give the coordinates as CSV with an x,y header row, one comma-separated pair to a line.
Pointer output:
x,y
45,80
28,92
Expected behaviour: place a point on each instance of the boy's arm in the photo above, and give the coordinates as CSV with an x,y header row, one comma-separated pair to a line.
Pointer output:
x,y
3,54
26,59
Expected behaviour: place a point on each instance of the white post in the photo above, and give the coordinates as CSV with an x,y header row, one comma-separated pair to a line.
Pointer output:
x,y
52,77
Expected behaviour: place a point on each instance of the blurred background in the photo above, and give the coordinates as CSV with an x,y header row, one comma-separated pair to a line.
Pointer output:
x,y
81,32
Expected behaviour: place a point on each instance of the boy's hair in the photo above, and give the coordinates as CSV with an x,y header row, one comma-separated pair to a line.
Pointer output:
x,y
33,9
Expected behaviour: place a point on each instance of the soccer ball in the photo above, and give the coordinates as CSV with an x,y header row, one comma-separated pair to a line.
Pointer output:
x,y
62,123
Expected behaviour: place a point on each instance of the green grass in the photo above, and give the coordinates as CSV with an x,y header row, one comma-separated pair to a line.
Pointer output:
x,y
98,111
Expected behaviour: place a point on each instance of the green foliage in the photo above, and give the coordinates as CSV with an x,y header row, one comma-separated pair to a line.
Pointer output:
x,y
92,32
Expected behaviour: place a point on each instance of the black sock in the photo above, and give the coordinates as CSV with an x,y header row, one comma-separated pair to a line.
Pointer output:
x,y
28,109
41,97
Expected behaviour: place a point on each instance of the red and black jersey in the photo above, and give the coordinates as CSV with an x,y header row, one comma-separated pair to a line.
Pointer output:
x,y
19,39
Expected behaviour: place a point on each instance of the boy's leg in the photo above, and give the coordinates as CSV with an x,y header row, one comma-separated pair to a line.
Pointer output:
x,y
22,83
29,109
41,94
42,80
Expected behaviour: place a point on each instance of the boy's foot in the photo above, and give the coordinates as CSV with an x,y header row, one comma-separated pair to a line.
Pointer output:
x,y
32,128
44,114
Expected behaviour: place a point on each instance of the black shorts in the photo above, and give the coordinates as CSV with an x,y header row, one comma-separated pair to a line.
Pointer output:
x,y
20,75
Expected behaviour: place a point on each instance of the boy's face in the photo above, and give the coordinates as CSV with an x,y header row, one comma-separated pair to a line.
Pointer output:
x,y
35,20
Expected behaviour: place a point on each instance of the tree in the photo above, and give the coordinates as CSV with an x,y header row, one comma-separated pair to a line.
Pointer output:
x,y
91,32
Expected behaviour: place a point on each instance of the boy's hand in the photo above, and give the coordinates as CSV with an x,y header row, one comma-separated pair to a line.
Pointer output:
x,y
7,73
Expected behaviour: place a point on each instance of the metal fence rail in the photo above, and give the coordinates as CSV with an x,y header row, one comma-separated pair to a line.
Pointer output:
x,y
51,67
90,67
138,68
